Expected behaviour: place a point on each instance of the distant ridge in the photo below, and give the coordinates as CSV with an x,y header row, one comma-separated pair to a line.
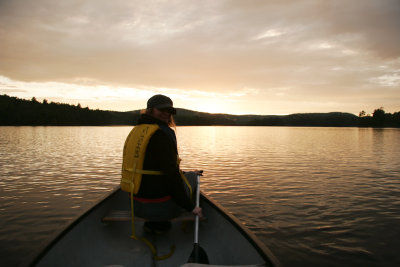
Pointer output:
x,y
15,111
189,117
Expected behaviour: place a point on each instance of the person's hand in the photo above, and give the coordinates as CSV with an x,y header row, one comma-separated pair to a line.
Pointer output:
x,y
198,172
198,211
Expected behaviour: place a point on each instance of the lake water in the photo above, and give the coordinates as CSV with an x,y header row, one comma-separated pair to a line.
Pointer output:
x,y
314,196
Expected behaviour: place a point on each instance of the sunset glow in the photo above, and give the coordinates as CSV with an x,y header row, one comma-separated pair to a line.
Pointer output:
x,y
237,57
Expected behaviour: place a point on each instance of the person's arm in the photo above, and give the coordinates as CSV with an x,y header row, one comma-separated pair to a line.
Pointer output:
x,y
166,156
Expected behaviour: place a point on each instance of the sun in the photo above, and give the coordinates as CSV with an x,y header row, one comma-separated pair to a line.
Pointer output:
x,y
211,106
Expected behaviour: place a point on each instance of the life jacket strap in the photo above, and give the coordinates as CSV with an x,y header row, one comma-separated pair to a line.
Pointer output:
x,y
144,240
133,171
185,180
183,177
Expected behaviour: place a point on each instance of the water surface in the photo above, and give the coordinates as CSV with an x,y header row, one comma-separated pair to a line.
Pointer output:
x,y
314,196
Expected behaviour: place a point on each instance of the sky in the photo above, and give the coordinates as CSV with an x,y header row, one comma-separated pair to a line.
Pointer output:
x,y
270,57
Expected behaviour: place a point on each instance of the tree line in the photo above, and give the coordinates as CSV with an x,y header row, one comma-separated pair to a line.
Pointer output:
x,y
15,111
379,118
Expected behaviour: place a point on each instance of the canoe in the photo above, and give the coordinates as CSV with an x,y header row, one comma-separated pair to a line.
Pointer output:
x,y
101,237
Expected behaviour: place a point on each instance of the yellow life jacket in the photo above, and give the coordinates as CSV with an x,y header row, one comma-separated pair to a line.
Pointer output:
x,y
133,157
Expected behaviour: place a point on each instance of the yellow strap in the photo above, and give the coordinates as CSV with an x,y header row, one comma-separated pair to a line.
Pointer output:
x,y
146,241
187,183
154,250
184,178
126,181
141,172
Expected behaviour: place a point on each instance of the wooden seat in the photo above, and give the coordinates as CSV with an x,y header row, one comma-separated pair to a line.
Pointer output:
x,y
207,265
125,215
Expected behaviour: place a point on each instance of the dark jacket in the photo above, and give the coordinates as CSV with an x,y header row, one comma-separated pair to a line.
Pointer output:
x,y
161,155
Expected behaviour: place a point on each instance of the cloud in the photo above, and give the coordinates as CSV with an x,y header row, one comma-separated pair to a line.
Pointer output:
x,y
313,47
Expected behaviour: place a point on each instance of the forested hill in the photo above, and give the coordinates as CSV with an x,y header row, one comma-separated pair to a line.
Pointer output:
x,y
188,117
15,111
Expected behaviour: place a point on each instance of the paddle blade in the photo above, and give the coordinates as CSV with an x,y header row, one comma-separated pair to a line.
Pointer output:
x,y
198,255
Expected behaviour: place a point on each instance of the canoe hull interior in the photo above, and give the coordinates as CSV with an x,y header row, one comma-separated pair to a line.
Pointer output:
x,y
90,242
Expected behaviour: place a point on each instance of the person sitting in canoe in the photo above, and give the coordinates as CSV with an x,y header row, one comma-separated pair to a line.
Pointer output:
x,y
150,170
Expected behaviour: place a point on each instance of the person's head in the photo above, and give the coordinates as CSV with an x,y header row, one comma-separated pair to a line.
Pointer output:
x,y
162,108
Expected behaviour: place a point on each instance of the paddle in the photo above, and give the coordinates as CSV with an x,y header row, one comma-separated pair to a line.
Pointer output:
x,y
198,254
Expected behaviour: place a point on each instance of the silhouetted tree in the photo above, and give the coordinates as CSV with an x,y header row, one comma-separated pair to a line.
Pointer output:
x,y
379,117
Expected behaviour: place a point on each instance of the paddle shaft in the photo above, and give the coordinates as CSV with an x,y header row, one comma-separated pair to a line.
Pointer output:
x,y
196,225
198,254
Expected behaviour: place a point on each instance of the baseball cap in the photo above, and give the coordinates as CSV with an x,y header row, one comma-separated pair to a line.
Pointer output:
x,y
161,102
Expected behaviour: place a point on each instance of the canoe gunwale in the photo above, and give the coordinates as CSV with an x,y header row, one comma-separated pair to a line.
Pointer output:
x,y
266,254
67,227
